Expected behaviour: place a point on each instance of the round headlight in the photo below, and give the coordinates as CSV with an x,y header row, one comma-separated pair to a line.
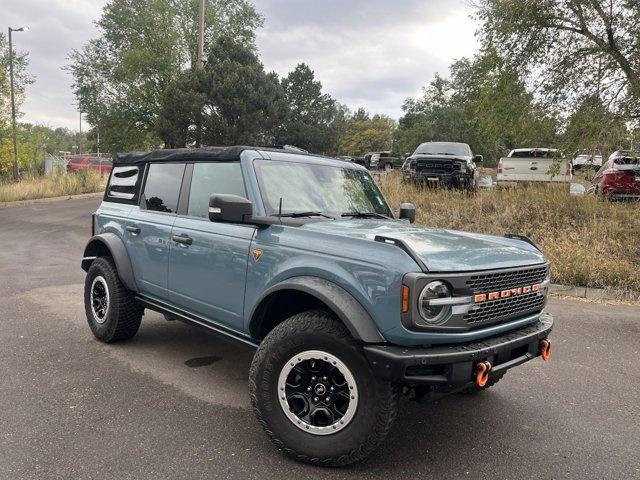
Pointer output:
x,y
434,314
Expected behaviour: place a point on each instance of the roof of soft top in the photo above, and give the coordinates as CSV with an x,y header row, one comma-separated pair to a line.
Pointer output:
x,y
213,154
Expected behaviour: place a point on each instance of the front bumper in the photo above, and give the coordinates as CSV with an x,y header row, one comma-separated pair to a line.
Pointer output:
x,y
451,367
454,178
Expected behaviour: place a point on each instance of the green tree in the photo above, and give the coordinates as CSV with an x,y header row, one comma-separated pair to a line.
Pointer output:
x,y
569,47
314,120
232,101
143,45
22,79
484,103
593,127
367,134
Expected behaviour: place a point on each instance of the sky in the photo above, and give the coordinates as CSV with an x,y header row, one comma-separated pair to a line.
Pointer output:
x,y
367,53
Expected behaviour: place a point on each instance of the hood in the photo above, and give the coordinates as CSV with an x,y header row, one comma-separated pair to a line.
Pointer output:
x,y
440,250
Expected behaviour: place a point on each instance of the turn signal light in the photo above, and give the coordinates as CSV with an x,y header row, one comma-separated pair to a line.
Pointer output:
x,y
405,299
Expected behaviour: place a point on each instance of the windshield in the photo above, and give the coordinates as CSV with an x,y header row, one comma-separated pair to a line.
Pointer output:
x,y
535,153
305,187
444,148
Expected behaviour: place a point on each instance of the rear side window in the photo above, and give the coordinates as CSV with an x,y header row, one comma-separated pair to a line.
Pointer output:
x,y
123,184
209,178
162,187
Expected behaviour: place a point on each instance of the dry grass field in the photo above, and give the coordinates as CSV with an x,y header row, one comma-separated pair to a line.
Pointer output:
x,y
56,185
590,242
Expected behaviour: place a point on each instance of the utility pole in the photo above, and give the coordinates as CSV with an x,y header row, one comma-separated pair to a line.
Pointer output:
x,y
199,59
13,103
80,136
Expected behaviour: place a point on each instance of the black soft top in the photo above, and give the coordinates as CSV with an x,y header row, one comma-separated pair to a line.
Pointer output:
x,y
212,154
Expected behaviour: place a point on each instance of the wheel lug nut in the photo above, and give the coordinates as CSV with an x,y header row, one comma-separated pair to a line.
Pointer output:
x,y
327,399
315,399
308,389
324,379
331,388
313,378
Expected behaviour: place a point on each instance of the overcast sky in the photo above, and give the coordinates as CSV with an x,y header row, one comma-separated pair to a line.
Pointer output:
x,y
369,53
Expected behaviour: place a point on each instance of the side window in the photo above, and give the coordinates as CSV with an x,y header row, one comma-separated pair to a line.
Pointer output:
x,y
162,187
215,177
123,183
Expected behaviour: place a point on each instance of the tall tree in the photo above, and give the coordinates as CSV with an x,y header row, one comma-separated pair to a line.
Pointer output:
x,y
570,47
593,127
314,120
21,79
143,45
232,101
367,134
484,103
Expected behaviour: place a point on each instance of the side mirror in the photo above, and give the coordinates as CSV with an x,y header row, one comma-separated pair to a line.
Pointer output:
x,y
478,159
408,212
229,208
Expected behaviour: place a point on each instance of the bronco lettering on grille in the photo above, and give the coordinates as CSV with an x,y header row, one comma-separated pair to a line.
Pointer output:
x,y
513,292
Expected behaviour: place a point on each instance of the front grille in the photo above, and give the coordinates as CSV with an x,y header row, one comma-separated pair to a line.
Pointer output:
x,y
491,282
435,166
510,307
505,308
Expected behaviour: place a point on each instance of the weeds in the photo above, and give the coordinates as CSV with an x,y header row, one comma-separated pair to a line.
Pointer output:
x,y
56,185
590,242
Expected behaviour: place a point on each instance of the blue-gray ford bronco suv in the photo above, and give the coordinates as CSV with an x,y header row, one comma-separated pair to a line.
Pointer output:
x,y
301,258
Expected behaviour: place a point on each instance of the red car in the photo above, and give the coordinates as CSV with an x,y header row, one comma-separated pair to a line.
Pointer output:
x,y
619,177
83,162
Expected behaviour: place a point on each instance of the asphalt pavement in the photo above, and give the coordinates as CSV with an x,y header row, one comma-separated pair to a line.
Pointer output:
x,y
173,404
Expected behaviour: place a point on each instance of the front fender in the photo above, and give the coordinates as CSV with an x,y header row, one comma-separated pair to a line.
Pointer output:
x,y
112,244
348,309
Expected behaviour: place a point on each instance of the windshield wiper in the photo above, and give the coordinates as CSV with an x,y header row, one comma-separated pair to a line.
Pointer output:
x,y
365,215
302,214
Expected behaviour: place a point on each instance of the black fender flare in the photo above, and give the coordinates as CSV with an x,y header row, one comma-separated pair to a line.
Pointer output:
x,y
348,309
114,244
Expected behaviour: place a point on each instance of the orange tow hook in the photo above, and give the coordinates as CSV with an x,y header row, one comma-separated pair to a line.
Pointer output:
x,y
482,373
545,349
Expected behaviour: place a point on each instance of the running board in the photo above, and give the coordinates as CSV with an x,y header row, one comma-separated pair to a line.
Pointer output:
x,y
196,320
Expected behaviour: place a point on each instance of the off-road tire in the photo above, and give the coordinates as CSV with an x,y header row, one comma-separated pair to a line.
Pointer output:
x,y
123,316
377,400
475,389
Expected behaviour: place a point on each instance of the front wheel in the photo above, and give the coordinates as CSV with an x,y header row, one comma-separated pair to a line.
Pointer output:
x,y
315,395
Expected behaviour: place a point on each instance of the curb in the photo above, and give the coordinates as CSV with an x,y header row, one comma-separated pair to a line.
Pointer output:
x,y
19,203
595,293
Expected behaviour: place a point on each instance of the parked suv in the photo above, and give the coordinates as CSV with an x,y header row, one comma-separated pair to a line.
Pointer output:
x,y
619,177
301,258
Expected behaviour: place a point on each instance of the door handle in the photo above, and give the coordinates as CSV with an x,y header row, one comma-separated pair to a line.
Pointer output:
x,y
182,239
133,230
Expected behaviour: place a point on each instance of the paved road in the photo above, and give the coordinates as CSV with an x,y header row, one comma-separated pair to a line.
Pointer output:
x,y
172,403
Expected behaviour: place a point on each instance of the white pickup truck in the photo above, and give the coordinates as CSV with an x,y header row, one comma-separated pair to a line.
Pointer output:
x,y
534,165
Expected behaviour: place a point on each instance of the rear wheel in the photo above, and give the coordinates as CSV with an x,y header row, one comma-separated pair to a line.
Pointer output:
x,y
314,392
110,307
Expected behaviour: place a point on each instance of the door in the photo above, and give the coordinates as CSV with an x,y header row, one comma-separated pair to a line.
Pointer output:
x,y
208,264
148,230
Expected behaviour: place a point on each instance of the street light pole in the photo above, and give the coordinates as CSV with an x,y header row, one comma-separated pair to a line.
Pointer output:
x,y
13,103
